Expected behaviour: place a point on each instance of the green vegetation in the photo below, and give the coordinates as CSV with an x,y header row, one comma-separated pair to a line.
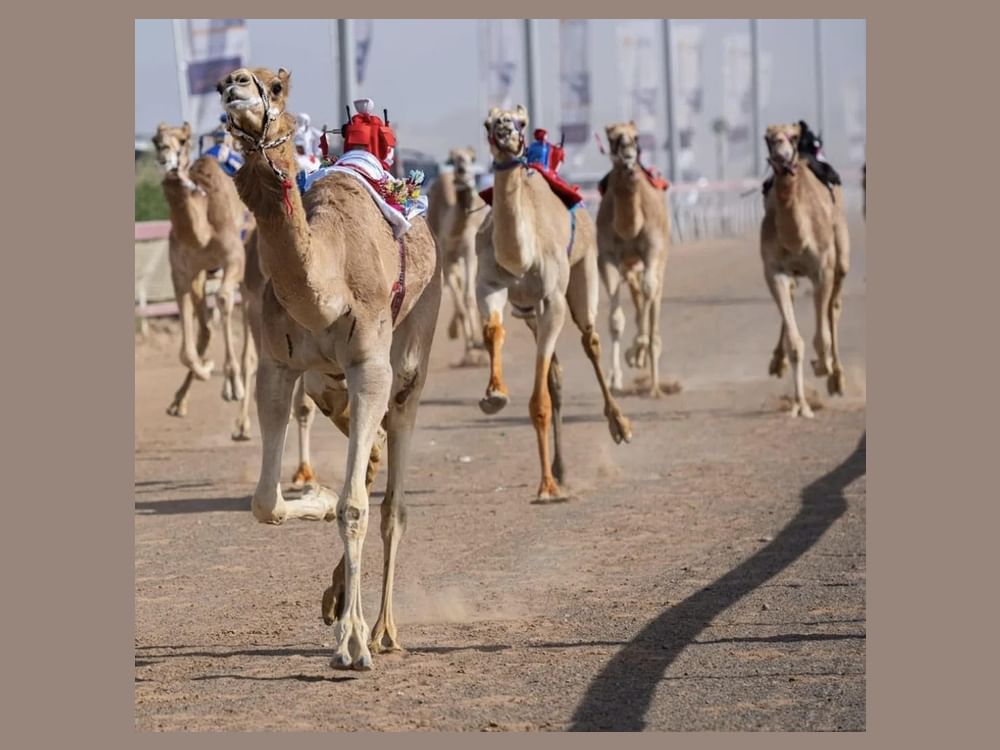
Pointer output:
x,y
149,201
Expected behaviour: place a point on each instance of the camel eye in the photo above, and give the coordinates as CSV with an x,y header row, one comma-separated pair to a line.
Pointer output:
x,y
275,89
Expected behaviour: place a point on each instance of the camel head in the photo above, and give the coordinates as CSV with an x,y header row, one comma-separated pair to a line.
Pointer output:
x,y
505,132
255,100
623,138
172,146
783,147
462,160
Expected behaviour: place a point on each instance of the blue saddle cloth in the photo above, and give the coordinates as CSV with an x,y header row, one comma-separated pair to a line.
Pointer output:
x,y
230,162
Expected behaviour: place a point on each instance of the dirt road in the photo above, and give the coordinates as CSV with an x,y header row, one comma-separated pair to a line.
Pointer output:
x,y
711,575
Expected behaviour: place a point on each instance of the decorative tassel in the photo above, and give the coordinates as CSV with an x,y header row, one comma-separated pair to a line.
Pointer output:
x,y
287,185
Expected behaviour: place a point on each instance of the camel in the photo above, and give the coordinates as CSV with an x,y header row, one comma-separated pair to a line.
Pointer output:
x,y
542,258
804,233
352,311
206,222
455,215
633,238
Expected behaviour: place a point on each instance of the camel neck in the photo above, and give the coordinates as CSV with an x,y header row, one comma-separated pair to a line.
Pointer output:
x,y
188,211
304,273
628,218
513,217
791,217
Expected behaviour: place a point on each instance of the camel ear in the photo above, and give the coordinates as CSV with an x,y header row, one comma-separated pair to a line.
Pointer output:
x,y
187,128
472,153
522,116
491,117
284,75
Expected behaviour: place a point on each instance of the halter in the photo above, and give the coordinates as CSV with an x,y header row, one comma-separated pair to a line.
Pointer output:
x,y
515,161
262,144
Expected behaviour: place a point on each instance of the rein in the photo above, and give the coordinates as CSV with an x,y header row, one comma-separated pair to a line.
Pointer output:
x,y
262,144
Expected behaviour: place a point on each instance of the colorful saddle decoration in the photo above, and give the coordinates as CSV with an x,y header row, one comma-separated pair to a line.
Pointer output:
x,y
656,179
222,151
369,151
546,158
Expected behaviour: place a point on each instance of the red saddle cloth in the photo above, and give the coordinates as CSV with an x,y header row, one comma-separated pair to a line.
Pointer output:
x,y
568,194
655,179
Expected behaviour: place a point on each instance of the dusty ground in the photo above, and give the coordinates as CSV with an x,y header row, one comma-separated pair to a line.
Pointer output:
x,y
711,575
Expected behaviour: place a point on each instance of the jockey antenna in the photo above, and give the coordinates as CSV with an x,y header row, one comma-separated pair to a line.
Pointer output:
x,y
386,113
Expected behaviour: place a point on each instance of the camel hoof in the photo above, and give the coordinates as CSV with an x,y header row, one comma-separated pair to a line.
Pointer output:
x,y
802,410
820,369
493,402
620,428
341,661
177,409
549,492
363,663
303,476
835,383
242,433
329,606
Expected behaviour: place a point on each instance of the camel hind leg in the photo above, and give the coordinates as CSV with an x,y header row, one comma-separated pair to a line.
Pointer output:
x,y
555,396
304,410
582,296
835,383
410,360
199,309
249,358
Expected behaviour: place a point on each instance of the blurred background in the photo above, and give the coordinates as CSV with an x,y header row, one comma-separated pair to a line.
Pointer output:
x,y
707,101
438,78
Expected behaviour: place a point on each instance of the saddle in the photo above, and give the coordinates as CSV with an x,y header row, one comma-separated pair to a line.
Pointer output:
x,y
546,158
655,179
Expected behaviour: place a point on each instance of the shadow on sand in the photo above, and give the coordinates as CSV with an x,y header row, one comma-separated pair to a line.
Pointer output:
x,y
619,696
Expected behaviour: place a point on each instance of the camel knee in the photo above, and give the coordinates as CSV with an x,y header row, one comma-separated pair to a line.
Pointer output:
x,y
352,517
540,409
794,347
393,521
268,509
617,322
591,342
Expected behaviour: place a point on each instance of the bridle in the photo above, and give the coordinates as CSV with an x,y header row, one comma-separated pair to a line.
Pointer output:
x,y
262,144
786,167
516,161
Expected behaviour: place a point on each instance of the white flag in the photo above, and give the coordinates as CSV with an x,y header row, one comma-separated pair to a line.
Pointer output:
x,y
207,50
737,85
500,50
688,96
637,59
363,33
574,81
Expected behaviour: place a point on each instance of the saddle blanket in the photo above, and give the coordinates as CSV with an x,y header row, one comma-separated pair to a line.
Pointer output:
x,y
366,169
568,194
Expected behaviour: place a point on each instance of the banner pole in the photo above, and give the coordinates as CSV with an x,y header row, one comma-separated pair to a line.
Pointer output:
x,y
181,62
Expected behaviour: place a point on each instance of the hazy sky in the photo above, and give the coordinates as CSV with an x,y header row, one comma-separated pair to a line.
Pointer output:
x,y
427,73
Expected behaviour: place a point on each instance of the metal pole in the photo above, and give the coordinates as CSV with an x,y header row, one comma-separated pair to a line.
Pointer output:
x,y
531,69
818,32
674,141
345,52
756,134
181,70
